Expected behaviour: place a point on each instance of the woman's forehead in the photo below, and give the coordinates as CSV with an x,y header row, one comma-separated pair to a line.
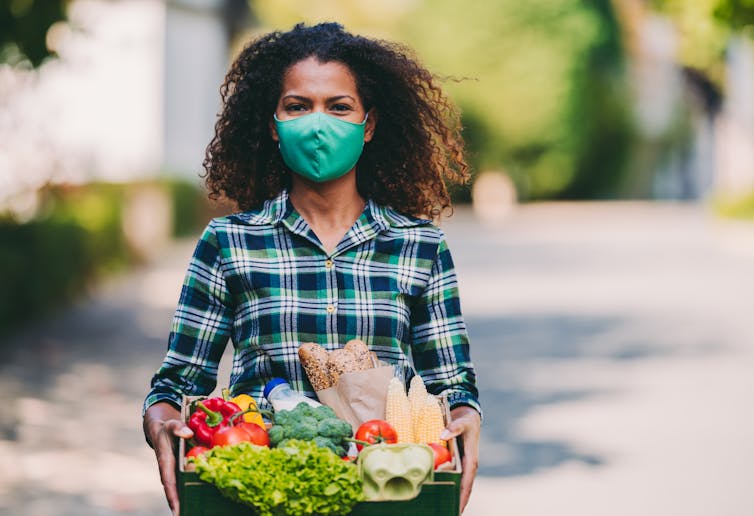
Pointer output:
x,y
313,75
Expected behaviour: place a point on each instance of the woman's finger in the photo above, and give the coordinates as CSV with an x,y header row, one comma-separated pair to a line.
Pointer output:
x,y
178,428
165,451
460,424
470,464
466,423
454,429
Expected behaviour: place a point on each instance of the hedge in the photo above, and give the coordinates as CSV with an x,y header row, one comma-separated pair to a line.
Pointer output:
x,y
76,238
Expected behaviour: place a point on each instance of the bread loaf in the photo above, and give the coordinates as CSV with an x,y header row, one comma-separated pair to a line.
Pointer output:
x,y
314,359
361,354
324,369
340,361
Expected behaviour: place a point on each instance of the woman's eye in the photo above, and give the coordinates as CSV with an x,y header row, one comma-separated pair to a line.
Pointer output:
x,y
341,107
295,107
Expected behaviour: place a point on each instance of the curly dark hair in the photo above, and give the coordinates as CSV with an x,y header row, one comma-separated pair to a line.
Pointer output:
x,y
416,144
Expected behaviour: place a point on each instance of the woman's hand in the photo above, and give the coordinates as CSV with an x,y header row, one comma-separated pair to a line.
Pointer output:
x,y
466,422
162,424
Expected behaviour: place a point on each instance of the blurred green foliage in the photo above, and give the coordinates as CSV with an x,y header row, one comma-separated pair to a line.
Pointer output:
x,y
96,209
77,237
704,28
51,259
190,207
737,14
23,29
540,83
545,100
702,37
42,263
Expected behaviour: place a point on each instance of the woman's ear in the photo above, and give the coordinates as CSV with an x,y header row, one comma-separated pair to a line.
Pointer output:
x,y
273,130
370,125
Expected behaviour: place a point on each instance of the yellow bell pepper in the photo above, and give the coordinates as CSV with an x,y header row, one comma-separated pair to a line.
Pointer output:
x,y
245,402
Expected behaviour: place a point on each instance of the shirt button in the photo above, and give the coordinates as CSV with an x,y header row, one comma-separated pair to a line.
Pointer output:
x,y
330,309
328,264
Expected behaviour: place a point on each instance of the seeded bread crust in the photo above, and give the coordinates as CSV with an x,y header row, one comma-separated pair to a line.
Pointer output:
x,y
361,354
314,360
324,368
340,361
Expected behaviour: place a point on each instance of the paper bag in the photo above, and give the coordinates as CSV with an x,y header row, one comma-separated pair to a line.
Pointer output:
x,y
359,396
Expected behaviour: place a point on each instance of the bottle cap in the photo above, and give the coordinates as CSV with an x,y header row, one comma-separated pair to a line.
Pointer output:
x,y
272,384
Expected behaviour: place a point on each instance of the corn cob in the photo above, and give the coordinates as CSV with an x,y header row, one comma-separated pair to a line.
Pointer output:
x,y
429,424
417,392
426,414
398,411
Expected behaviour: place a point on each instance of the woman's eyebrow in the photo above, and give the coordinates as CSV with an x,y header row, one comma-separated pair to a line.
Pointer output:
x,y
295,97
307,99
341,97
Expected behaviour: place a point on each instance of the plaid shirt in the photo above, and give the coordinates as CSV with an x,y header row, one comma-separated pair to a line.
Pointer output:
x,y
263,279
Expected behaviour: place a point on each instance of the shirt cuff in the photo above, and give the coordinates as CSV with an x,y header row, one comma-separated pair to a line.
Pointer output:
x,y
152,398
457,398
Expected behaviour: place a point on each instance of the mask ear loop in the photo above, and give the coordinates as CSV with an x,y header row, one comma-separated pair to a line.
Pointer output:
x,y
364,123
275,117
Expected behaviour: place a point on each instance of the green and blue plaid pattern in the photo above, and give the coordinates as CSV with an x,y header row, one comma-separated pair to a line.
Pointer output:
x,y
264,280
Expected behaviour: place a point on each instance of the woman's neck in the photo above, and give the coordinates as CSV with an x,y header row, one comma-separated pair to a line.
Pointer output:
x,y
330,208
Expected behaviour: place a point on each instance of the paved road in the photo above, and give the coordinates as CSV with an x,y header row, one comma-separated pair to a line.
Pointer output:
x,y
614,348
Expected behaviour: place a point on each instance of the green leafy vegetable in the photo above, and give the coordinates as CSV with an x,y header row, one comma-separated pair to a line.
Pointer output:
x,y
307,423
297,478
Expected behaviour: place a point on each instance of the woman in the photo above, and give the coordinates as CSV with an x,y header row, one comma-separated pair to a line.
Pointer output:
x,y
334,147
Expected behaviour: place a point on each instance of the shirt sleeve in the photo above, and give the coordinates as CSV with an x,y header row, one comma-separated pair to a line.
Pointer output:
x,y
201,326
440,343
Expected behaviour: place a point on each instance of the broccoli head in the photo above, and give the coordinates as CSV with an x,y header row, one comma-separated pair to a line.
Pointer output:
x,y
307,423
334,429
324,412
324,442
303,409
304,429
346,430
284,417
276,433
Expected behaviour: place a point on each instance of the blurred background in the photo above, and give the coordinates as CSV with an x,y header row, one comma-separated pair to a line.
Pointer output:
x,y
605,247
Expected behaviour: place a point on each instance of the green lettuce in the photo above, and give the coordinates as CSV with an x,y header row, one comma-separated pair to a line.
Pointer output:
x,y
297,479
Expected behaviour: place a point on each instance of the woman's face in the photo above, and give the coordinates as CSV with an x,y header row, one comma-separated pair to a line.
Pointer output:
x,y
311,86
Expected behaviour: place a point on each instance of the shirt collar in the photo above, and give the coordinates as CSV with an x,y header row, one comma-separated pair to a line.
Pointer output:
x,y
374,218
272,211
366,227
387,217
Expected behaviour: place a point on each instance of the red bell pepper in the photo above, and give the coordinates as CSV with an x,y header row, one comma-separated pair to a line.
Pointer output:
x,y
209,416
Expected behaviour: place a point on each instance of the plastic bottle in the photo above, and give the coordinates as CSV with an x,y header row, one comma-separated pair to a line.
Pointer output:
x,y
282,397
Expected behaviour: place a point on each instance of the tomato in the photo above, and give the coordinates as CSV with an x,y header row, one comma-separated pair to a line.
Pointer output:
x,y
230,435
442,454
375,431
196,451
257,434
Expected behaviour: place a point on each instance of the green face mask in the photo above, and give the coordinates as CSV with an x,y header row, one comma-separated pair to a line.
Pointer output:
x,y
320,147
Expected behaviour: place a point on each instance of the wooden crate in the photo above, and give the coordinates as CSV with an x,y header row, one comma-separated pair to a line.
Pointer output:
x,y
438,498
441,497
